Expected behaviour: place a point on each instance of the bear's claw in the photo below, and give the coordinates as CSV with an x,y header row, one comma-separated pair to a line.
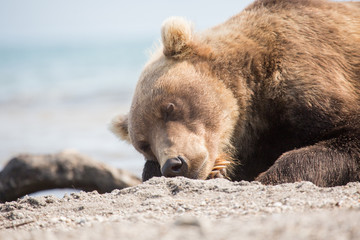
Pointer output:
x,y
219,169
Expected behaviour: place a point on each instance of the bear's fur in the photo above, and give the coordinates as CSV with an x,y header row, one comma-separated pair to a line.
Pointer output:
x,y
272,94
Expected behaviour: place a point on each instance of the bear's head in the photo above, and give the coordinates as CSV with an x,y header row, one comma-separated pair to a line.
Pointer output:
x,y
182,116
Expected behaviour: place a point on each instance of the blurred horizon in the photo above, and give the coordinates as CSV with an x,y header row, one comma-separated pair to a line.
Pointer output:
x,y
55,22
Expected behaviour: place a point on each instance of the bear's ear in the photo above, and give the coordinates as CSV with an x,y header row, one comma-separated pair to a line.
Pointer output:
x,y
119,126
179,40
176,35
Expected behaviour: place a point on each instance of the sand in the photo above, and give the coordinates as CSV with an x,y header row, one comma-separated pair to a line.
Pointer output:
x,y
181,208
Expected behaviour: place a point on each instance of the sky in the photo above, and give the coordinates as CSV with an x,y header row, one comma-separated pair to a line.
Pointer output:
x,y
68,20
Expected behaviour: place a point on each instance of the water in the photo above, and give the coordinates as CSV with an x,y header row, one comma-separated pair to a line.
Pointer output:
x,y
60,96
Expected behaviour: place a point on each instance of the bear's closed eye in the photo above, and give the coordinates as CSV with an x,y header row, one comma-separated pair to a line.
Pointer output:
x,y
144,146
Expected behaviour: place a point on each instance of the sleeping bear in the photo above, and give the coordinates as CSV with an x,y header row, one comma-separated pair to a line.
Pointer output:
x,y
272,95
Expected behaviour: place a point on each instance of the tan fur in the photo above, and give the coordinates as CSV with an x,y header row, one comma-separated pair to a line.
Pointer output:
x,y
176,35
297,55
119,126
169,140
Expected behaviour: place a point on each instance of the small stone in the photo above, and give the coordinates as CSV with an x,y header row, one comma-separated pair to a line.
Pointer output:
x,y
180,210
20,215
94,192
50,199
187,221
41,224
75,195
80,208
63,219
7,207
14,216
80,221
66,197
34,202
338,204
115,192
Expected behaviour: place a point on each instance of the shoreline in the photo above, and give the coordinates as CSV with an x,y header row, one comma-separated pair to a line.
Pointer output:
x,y
183,208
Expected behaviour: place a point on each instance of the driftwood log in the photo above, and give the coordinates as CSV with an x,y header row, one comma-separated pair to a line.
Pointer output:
x,y
26,174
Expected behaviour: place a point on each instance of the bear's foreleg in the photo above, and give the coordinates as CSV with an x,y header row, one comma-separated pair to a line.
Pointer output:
x,y
331,162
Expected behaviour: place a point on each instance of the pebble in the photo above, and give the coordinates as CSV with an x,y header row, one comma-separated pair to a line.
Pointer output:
x,y
15,215
75,195
50,199
209,204
80,221
34,202
180,210
79,208
64,219
115,192
187,221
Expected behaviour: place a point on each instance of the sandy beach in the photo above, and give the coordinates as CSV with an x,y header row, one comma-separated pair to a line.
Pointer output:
x,y
181,208
66,69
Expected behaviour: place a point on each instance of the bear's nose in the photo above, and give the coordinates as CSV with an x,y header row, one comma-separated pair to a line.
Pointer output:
x,y
174,167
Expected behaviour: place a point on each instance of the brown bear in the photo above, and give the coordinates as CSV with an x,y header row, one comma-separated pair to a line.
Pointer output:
x,y
272,94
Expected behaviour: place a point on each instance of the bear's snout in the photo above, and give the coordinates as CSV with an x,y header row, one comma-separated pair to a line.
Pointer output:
x,y
174,167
